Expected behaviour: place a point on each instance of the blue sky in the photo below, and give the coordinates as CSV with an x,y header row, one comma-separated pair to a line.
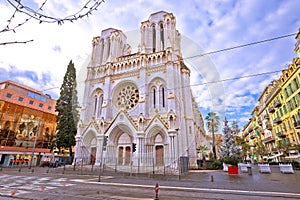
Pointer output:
x,y
208,25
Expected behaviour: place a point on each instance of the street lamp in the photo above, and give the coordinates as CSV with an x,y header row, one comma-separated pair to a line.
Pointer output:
x,y
104,144
34,144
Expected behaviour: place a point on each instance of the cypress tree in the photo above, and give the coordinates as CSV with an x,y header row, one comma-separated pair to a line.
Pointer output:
x,y
67,108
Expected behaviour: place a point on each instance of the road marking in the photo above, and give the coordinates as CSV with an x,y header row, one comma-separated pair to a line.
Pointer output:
x,y
85,180
26,184
7,192
200,189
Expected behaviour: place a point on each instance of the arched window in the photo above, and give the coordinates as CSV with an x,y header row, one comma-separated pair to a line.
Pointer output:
x,y
101,51
108,47
153,38
154,97
162,97
95,105
100,106
162,39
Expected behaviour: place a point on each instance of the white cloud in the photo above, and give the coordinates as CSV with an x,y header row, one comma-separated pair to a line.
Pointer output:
x,y
211,25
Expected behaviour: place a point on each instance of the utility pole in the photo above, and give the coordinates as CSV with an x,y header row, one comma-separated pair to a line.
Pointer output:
x,y
34,144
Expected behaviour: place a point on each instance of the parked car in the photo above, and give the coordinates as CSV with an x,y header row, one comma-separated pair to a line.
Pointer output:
x,y
45,163
45,160
56,164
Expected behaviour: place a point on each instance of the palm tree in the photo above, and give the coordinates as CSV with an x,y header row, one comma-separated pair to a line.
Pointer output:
x,y
213,125
202,150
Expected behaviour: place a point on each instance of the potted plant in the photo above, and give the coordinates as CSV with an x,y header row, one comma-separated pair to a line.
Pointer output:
x,y
230,152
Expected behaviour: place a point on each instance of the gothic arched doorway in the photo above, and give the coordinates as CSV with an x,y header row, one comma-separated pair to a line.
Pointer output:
x,y
159,150
124,149
93,151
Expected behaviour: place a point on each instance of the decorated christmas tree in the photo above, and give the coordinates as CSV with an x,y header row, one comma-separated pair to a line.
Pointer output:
x,y
230,152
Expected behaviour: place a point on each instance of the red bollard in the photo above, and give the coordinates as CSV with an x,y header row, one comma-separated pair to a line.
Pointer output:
x,y
13,192
156,191
43,188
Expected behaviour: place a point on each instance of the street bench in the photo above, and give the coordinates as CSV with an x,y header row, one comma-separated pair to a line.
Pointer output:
x,y
264,168
244,167
286,168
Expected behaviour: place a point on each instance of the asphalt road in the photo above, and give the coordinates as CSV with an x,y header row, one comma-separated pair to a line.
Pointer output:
x,y
53,184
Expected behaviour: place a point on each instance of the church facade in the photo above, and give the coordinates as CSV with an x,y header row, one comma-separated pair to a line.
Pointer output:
x,y
138,108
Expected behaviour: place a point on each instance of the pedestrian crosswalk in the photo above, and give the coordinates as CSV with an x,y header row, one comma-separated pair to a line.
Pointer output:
x,y
15,185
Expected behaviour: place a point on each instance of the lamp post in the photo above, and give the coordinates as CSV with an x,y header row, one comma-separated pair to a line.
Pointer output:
x,y
34,144
104,143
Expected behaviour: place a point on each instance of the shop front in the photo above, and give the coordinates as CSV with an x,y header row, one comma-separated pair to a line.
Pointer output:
x,y
18,156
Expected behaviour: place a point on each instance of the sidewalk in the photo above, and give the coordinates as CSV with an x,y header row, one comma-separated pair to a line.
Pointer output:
x,y
219,179
276,181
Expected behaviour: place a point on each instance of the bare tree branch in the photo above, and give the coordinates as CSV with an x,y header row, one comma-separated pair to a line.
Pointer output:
x,y
16,42
19,6
85,11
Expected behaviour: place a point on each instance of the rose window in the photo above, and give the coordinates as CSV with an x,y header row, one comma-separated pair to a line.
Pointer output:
x,y
127,96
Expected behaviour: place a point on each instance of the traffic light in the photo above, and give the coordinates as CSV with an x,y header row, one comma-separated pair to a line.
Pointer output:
x,y
133,147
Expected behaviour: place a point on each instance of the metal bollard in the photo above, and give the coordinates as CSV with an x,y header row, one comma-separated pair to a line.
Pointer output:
x,y
249,170
212,178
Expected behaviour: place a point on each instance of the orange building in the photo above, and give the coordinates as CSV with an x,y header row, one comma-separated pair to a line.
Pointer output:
x,y
27,123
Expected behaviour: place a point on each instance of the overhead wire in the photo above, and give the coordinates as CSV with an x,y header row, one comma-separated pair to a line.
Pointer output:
x,y
240,46
228,49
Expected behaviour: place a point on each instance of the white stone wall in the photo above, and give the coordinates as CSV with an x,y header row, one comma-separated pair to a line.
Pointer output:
x,y
164,126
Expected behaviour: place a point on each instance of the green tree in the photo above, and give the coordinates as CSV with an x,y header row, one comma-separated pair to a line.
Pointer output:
x,y
230,152
213,126
235,128
67,108
284,146
260,149
245,149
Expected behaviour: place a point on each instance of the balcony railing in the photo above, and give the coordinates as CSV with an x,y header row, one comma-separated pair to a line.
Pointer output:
x,y
281,135
277,120
250,130
269,127
268,139
277,104
266,116
297,124
246,134
274,149
271,109
259,122
252,137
